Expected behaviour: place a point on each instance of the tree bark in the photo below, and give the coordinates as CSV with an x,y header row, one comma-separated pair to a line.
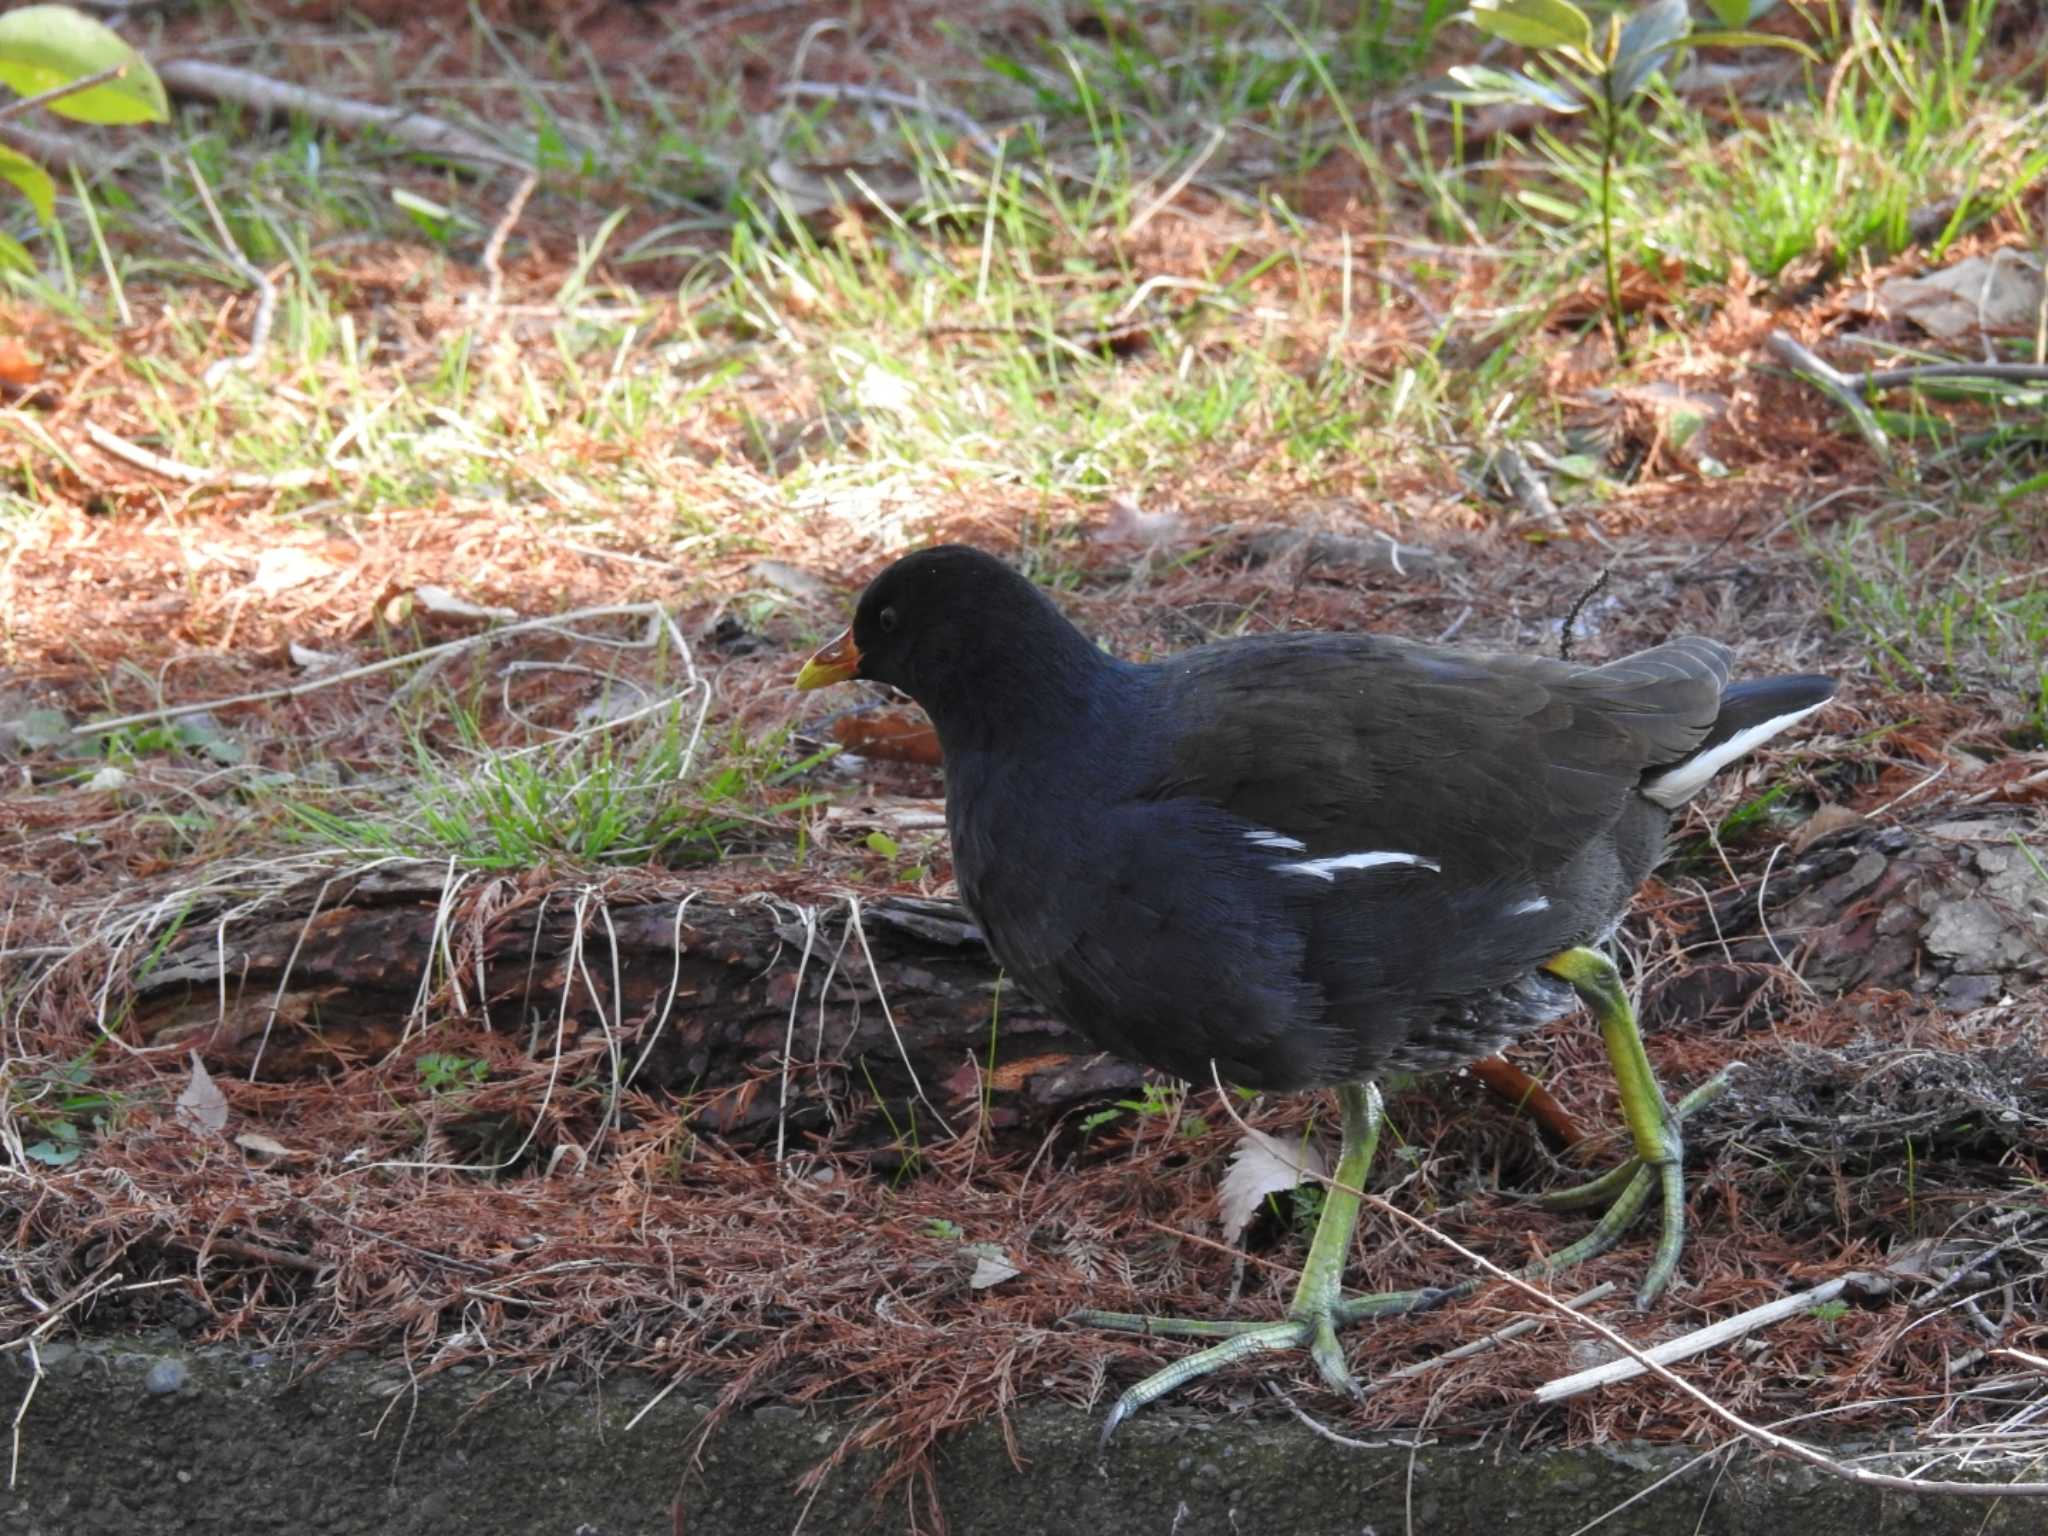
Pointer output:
x,y
1952,910
890,1008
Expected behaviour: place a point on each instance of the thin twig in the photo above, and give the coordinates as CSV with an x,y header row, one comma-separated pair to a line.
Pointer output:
x,y
1700,1340
1178,185
59,92
882,996
1505,1335
266,290
35,1380
808,916
56,151
1346,1441
389,664
1526,486
1977,1261
881,96
415,130
1833,383
191,474
494,248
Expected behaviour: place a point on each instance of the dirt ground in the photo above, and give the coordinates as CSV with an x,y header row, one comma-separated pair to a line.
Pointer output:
x,y
1867,934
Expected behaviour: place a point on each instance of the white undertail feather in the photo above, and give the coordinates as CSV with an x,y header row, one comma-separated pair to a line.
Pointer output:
x,y
1533,904
1677,785
1326,869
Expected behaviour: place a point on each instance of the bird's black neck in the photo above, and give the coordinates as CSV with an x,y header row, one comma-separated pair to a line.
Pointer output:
x,y
1053,689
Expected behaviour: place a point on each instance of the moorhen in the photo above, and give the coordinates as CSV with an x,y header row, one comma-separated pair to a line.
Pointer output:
x,y
1300,860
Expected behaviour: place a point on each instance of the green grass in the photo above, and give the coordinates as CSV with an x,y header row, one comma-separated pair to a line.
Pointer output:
x,y
1943,600
651,793
988,332
1838,172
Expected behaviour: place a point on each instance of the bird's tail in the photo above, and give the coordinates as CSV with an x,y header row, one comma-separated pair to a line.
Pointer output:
x,y
1751,714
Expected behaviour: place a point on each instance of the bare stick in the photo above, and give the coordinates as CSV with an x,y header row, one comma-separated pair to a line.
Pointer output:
x,y
1513,1331
266,290
1918,373
57,151
1700,1340
1833,383
882,996
389,664
881,96
494,248
35,1361
59,92
191,474
1527,487
1179,184
415,130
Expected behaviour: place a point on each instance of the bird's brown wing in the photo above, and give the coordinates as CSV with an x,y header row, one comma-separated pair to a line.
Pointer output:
x,y
1491,766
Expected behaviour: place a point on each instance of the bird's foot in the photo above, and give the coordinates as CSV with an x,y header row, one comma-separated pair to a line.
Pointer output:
x,y
1312,1325
1320,1308
1654,1125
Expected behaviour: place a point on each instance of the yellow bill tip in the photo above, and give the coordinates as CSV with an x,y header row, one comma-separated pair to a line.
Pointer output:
x,y
835,663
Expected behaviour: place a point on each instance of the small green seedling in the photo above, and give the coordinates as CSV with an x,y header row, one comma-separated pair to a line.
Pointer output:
x,y
446,1073
1599,70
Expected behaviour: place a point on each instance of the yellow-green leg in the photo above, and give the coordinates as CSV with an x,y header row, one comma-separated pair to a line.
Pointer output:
x,y
1654,1126
1319,1307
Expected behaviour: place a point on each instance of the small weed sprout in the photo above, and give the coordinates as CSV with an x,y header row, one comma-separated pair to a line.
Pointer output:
x,y
444,1072
1600,71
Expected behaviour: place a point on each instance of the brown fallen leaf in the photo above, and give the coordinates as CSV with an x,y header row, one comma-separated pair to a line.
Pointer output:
x,y
19,367
1824,822
1507,1081
890,736
1263,1165
201,1105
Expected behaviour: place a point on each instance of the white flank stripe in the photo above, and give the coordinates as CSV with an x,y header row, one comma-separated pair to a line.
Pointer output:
x,y
1265,839
1327,869
1680,784
1533,904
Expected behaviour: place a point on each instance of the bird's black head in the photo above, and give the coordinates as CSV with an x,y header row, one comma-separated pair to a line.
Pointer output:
x,y
961,633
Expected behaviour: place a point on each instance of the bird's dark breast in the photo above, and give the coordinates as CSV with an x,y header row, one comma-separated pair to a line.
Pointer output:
x,y
1163,934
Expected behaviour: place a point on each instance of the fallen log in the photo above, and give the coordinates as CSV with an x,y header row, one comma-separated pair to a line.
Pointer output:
x,y
890,1010
892,1014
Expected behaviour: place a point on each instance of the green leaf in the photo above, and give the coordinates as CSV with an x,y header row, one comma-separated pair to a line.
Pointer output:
x,y
1485,87
1713,38
412,202
2032,487
33,181
14,254
1534,23
1556,207
1646,42
1739,13
203,733
884,844
45,46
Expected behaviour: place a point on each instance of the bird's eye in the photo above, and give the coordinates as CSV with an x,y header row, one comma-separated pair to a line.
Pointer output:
x,y
888,620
